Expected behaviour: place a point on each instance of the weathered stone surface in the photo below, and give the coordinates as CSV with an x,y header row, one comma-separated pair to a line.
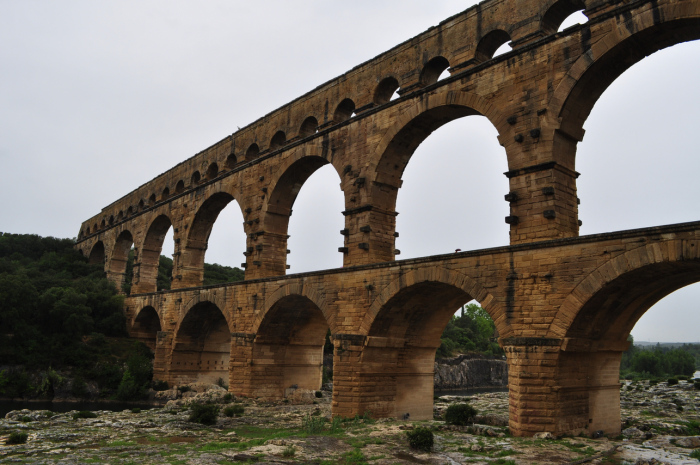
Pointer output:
x,y
563,305
465,372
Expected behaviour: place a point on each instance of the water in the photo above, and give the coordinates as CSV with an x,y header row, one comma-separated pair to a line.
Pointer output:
x,y
60,407
467,392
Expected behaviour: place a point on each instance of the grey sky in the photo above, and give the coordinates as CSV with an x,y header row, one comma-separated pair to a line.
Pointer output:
x,y
97,98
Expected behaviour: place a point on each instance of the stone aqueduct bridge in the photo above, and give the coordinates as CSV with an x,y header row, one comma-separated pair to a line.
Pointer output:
x,y
563,305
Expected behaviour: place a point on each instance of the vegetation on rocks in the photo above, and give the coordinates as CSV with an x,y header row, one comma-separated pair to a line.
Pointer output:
x,y
657,362
460,414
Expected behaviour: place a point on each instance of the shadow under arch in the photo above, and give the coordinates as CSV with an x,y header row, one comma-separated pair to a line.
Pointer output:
x,y
201,346
194,250
146,270
287,351
397,366
595,320
145,326
278,208
97,254
592,74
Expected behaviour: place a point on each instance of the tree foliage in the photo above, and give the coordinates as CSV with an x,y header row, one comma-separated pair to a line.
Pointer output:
x,y
472,331
659,361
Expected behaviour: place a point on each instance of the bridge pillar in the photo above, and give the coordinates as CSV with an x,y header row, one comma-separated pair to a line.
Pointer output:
x,y
266,255
369,235
146,271
240,364
382,377
556,389
162,356
543,203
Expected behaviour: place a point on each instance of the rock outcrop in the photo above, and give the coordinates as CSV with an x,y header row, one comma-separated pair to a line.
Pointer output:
x,y
470,371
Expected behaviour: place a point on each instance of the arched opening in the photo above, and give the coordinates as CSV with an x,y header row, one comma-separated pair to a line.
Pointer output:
x,y
589,368
180,187
94,228
103,224
212,171
192,268
165,195
146,275
130,211
111,220
558,16
308,127
492,44
231,161
196,178
142,204
278,140
386,90
398,359
288,349
226,243
152,200
279,210
87,231
97,254
626,139
118,263
433,69
442,183
120,215
344,111
201,347
252,152
146,326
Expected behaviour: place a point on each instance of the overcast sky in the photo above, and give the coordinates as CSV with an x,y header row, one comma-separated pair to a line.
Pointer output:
x,y
97,98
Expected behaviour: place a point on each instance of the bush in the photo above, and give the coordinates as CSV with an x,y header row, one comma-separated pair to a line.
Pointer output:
x,y
160,385
84,414
289,451
672,381
312,424
234,410
205,414
17,437
695,454
79,388
228,397
318,394
460,414
135,410
420,438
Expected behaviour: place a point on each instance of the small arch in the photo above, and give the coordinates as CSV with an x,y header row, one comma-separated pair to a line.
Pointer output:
x,y
120,215
385,90
146,326
556,14
88,230
489,44
97,254
180,187
344,111
278,140
196,177
212,171
165,194
111,220
130,210
252,152
231,161
308,127
103,224
202,346
433,69
152,199
142,204
94,228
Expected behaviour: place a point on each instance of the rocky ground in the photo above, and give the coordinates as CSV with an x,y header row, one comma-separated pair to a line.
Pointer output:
x,y
661,425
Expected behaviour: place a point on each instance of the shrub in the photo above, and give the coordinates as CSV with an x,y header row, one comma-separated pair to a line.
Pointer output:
x,y
289,451
17,437
672,381
318,394
460,414
84,414
228,397
184,388
159,385
313,425
695,454
79,387
221,383
135,410
234,410
420,438
25,419
205,414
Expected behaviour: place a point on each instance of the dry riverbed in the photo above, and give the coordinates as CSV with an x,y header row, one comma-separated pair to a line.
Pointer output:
x,y
660,426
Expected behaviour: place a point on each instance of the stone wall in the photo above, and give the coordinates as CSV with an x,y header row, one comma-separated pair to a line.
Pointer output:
x,y
469,371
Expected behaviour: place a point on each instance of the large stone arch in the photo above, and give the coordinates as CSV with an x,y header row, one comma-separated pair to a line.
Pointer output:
x,y
201,348
606,59
435,274
595,319
190,272
407,320
117,263
145,325
96,255
287,345
268,254
146,264
297,288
